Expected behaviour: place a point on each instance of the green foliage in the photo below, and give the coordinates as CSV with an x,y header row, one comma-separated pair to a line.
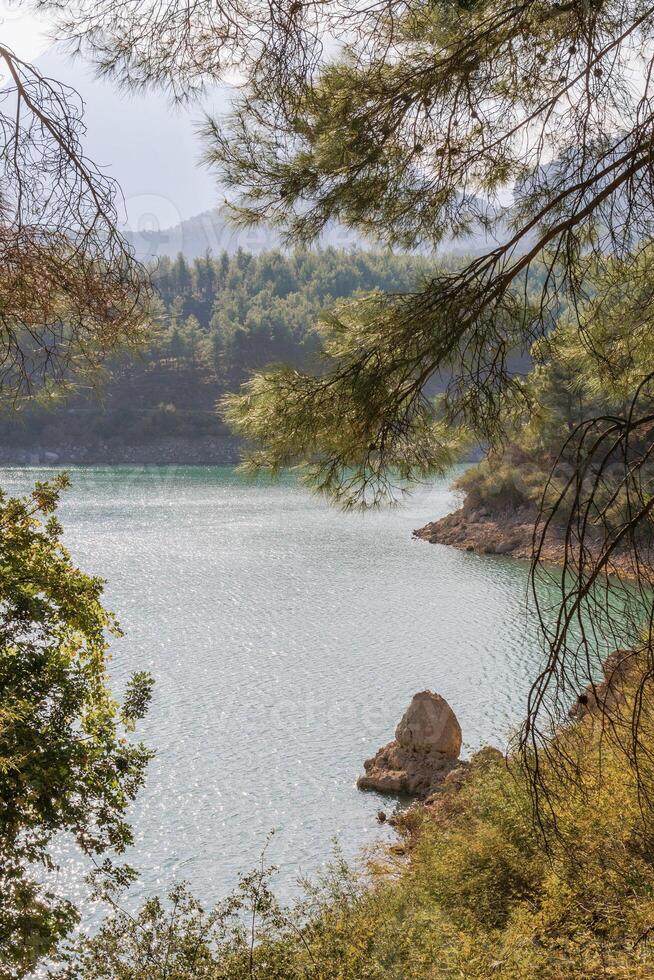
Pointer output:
x,y
416,129
578,375
478,897
66,763
365,423
362,430
177,938
236,313
518,125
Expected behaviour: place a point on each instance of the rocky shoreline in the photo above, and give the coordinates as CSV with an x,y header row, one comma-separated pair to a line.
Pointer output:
x,y
422,760
172,450
423,753
509,533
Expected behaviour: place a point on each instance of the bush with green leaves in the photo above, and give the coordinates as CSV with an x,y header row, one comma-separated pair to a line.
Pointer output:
x,y
474,894
67,763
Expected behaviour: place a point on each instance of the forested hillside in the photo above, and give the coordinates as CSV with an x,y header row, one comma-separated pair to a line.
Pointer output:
x,y
214,320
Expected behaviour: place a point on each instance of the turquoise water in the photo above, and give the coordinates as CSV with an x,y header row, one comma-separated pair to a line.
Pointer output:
x,y
286,640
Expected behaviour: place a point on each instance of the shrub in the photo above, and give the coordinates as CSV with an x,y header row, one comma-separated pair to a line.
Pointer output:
x,y
480,895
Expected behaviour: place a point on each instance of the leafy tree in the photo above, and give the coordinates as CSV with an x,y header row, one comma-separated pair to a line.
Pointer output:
x,y
67,763
71,297
177,301
193,338
242,321
176,345
181,275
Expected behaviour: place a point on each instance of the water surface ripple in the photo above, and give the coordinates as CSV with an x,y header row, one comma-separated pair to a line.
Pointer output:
x,y
286,640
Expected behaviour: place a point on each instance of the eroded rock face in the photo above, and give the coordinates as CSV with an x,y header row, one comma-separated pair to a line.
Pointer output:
x,y
425,749
429,725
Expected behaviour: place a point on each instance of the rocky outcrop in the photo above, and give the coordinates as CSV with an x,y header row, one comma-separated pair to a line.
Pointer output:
x,y
470,529
509,533
425,749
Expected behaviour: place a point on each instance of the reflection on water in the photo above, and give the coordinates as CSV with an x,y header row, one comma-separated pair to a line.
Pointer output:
x,y
286,640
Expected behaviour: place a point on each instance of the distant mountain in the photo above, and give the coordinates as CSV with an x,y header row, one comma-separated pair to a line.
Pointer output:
x,y
212,231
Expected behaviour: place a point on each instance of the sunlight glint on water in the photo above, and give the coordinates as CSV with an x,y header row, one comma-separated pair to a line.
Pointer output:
x,y
286,640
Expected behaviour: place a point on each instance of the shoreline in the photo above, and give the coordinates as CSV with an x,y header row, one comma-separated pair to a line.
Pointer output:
x,y
507,534
171,450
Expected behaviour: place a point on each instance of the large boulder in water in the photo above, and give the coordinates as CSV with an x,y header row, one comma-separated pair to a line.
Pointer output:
x,y
425,749
429,725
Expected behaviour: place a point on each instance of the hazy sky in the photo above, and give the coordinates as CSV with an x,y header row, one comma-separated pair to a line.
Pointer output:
x,y
151,149
26,34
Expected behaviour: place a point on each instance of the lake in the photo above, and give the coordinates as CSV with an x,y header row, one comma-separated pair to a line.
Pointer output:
x,y
286,640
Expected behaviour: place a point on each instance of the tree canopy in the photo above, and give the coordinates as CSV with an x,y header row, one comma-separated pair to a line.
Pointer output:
x,y
528,124
214,321
71,293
